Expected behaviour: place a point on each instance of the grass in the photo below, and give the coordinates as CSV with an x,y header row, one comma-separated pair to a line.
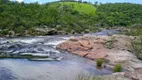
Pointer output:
x,y
99,62
80,7
109,43
117,68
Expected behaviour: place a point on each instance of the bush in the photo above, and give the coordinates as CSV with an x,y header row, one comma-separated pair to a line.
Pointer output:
x,y
137,47
58,27
110,43
137,31
4,32
117,68
99,62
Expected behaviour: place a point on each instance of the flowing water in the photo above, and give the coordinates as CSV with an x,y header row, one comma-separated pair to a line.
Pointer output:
x,y
36,58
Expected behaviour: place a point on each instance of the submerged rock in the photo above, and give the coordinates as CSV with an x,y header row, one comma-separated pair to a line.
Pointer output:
x,y
18,49
46,59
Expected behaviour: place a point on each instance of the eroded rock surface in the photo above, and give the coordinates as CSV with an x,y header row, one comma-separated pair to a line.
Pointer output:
x,y
96,47
135,75
114,49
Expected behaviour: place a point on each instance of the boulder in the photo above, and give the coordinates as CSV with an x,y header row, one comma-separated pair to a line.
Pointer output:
x,y
52,32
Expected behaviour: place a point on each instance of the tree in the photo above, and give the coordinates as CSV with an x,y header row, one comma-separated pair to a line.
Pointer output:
x,y
3,1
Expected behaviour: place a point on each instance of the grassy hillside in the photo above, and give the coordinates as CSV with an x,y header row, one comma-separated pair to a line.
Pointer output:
x,y
80,7
66,17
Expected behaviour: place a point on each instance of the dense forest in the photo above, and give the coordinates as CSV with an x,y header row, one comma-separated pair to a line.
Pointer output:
x,y
24,18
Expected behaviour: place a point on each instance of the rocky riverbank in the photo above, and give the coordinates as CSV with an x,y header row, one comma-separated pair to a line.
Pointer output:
x,y
113,49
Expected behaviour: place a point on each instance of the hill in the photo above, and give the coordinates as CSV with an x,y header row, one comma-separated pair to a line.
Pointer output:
x,y
80,7
67,17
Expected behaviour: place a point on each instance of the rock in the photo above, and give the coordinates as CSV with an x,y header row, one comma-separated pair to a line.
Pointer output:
x,y
11,33
84,43
81,53
73,32
89,47
71,46
122,42
135,75
115,76
126,58
42,59
87,31
52,32
97,54
35,54
94,47
118,56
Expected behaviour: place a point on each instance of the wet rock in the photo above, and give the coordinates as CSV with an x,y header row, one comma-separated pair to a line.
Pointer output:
x,y
42,59
81,53
35,54
46,59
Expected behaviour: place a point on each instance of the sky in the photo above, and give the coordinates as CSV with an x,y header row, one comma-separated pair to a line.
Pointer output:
x,y
102,1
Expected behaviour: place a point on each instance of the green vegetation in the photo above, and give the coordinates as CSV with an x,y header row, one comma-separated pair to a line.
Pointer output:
x,y
99,62
137,31
117,68
137,46
119,14
67,17
109,44
80,7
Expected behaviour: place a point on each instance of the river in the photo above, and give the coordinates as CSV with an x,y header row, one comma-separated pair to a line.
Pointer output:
x,y
37,66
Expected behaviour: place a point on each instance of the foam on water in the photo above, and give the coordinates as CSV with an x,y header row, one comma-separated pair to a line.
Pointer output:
x,y
29,41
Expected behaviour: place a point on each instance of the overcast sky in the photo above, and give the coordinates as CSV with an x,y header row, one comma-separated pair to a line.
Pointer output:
x,y
102,1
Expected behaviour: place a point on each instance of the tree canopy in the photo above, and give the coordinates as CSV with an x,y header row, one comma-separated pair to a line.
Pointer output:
x,y
20,16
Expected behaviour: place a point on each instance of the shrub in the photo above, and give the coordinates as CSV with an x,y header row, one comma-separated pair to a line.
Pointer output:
x,y
137,47
110,43
86,30
99,62
117,68
134,31
4,32
58,27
